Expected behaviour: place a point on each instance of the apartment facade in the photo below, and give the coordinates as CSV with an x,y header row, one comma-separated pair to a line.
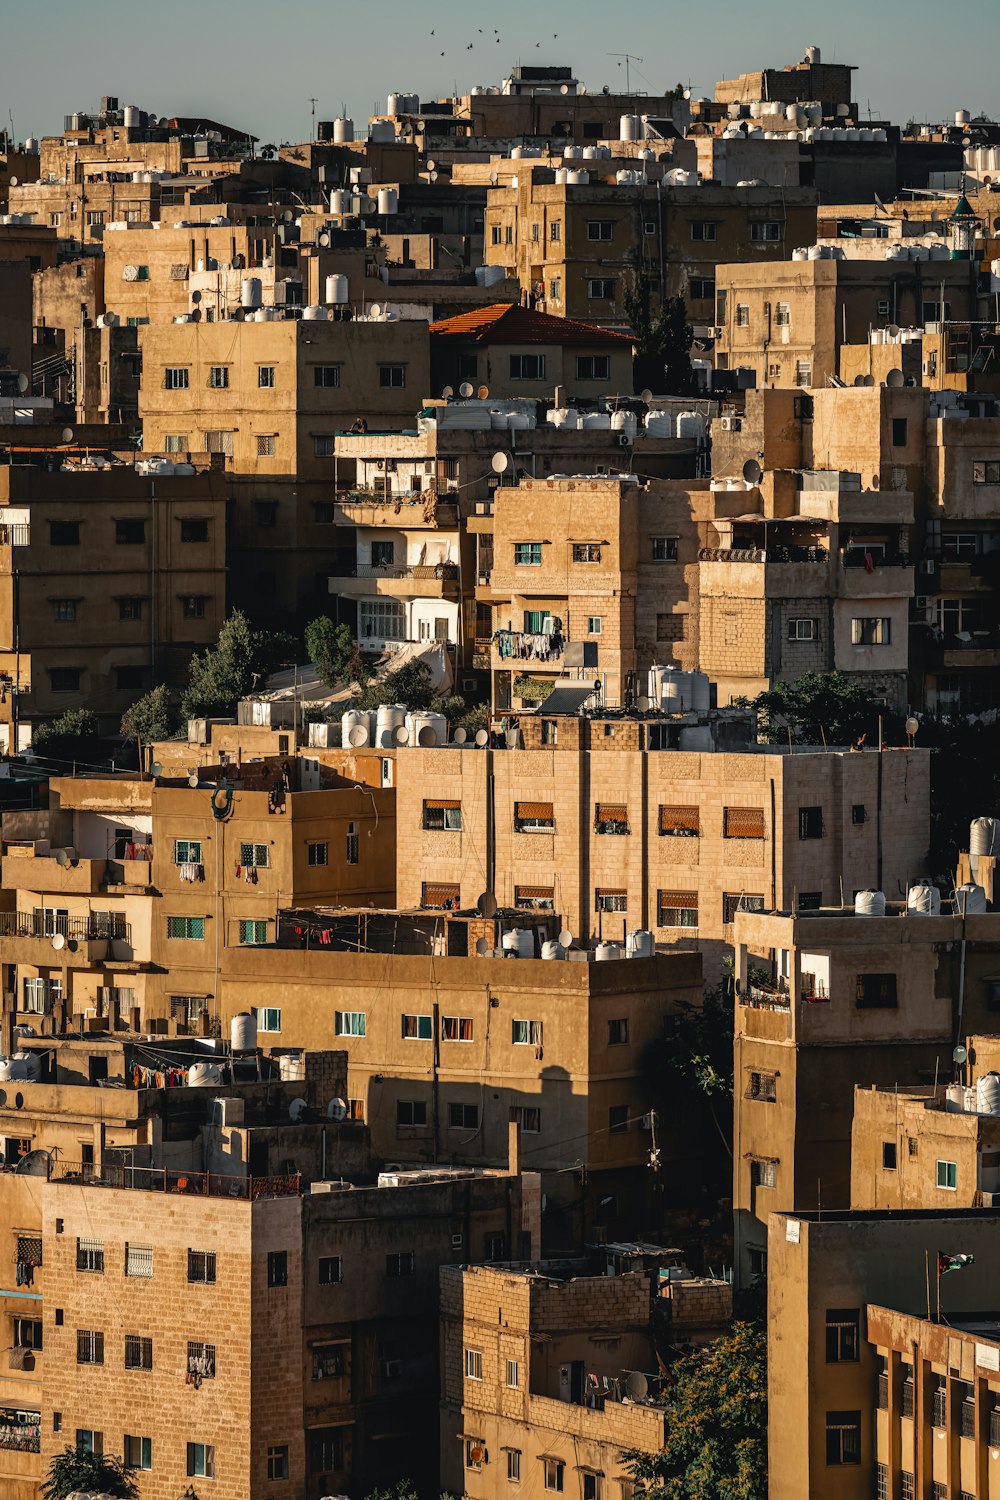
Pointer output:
x,y
923,1148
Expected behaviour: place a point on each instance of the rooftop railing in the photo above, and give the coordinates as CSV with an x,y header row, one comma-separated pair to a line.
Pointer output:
x,y
173,1180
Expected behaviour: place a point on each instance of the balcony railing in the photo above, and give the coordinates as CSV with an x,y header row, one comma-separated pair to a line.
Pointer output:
x,y
765,997
20,1431
871,561
762,555
526,645
173,1180
79,929
15,534
447,571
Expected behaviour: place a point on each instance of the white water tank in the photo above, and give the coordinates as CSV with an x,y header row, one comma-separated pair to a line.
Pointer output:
x,y
690,424
552,950
381,132
954,1099
204,1075
357,727
131,116
596,421
984,836
970,900
605,952
343,130
243,1032
813,55
518,943
573,153
659,424
639,943
340,201
396,104
427,729
337,289
675,691
701,692
388,719
962,117
869,904
25,1067
388,200
923,901
624,421
577,178
292,1067
988,1094
251,292
313,314
630,128
31,144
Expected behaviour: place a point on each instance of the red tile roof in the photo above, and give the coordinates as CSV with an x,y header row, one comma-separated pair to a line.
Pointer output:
x,y
509,323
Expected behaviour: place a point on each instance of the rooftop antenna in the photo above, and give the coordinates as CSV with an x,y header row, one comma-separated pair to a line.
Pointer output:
x,y
630,57
312,102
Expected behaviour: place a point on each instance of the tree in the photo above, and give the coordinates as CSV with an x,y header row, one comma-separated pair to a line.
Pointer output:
x,y
411,685
100,1473
664,338
74,724
818,706
689,1068
152,717
716,1424
226,672
334,652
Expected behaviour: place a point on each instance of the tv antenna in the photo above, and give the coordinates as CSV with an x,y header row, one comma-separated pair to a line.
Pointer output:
x,y
312,103
629,58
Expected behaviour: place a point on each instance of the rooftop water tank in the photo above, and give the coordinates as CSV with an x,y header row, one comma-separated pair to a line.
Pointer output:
x,y
984,838
869,904
343,131
313,314
357,727
251,292
25,1067
337,289
676,691
572,153
659,424
518,943
690,424
388,719
396,104
813,56
639,943
954,1099
970,900
552,950
605,952
388,200
340,201
624,421
292,1067
243,1032
630,128
923,900
988,1094
962,117
31,144
427,729
382,132
204,1075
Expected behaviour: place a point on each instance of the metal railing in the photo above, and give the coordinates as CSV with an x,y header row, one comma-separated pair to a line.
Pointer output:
x,y
763,555
173,1180
18,1434
447,571
764,997
873,560
15,534
80,929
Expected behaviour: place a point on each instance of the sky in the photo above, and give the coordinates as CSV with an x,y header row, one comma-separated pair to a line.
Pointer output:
x,y
254,64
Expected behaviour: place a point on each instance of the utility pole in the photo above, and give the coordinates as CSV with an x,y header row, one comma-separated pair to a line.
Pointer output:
x,y
313,104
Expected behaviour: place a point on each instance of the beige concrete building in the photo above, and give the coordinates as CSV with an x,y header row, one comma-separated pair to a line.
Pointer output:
x,y
109,578
923,1148
519,351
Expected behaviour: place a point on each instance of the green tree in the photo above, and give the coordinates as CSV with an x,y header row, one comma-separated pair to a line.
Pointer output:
x,y
226,672
334,652
411,685
716,1424
100,1473
664,338
819,705
152,717
74,724
690,1064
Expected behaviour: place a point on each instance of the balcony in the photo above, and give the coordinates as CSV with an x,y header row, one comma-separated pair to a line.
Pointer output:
x,y
24,870
15,534
20,1431
404,510
966,649
173,1180
753,573
762,996
879,577
525,645
78,941
420,581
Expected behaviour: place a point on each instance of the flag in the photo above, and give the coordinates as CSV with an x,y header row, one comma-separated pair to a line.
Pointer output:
x,y
946,1263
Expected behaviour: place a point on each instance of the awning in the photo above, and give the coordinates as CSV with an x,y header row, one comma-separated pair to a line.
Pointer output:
x,y
566,700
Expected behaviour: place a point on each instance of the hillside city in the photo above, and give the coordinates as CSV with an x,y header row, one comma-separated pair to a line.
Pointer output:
x,y
556,531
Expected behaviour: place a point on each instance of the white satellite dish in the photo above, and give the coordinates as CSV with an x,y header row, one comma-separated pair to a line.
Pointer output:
x,y
432,177
193,779
465,389
500,463
13,180
58,941
401,735
67,434
376,309
482,738
565,938
637,1386
62,858
647,395
447,393
432,166
336,1109
22,383
357,736
156,769
296,1110
960,1054
460,736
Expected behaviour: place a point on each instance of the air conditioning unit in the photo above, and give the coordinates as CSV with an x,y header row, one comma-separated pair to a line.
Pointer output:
x,y
392,1368
730,424
928,567
457,1241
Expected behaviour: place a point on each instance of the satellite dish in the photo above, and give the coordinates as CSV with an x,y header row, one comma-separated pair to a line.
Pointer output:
x,y
895,379
447,393
466,389
960,1054
357,736
752,471
401,735
647,395
296,1110
376,309
72,945
869,380
432,177
893,331
565,938
482,738
34,1164
3,1098
156,769
477,1453
859,380
483,392
875,481
460,736
637,1386
22,383
62,858
67,435
336,1109
432,166
494,179
193,779
500,463
58,941
288,216
427,736
13,180
486,906
482,947
196,297
644,704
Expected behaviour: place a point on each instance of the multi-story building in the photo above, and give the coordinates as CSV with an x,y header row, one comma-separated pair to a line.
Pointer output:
x,y
868,1392
109,578
925,1147
836,1001
518,351
631,822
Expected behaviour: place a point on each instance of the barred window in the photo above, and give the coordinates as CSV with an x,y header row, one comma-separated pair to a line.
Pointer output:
x,y
842,1334
139,1261
677,909
611,817
89,1346
201,1360
201,1265
439,895
90,1255
762,1086
534,897
733,901
255,856
138,1352
743,823
534,817
442,816
682,822
610,900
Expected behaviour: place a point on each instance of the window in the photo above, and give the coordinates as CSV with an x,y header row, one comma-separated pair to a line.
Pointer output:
x,y
610,900
555,231
595,366
130,532
763,1086
763,1172
87,1440
511,1377
514,1465
555,289
810,822
875,991
742,315
27,1333
939,1405
326,377
732,903
618,1032
35,996
743,823
218,441
324,447
473,1364
268,1017
664,548
595,624
316,854
586,552
64,533
456,1029
463,1116
611,818
139,1261
331,1270
252,933
803,371
201,1266
399,1263
703,229
411,1113
968,1415
871,631
680,822
526,1033
527,367
535,897
701,289
601,229
255,856
349,1023
194,529
554,1471
882,1482
190,929
593,1485
64,610
842,1341
947,1175
527,554
496,1246
201,1360
765,231
802,629
418,1028
89,1347
187,851
90,1255
533,817
277,1461
200,1461
193,606
326,1449
440,896
443,817
782,315
600,289
267,446
496,234
528,1118
130,609
392,377
138,1352
138,1452
176,378
617,1119
277,1268
218,377
843,1437
265,377
984,472
330,1361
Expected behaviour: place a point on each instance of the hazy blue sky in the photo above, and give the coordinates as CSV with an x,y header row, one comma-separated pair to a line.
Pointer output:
x,y
255,64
